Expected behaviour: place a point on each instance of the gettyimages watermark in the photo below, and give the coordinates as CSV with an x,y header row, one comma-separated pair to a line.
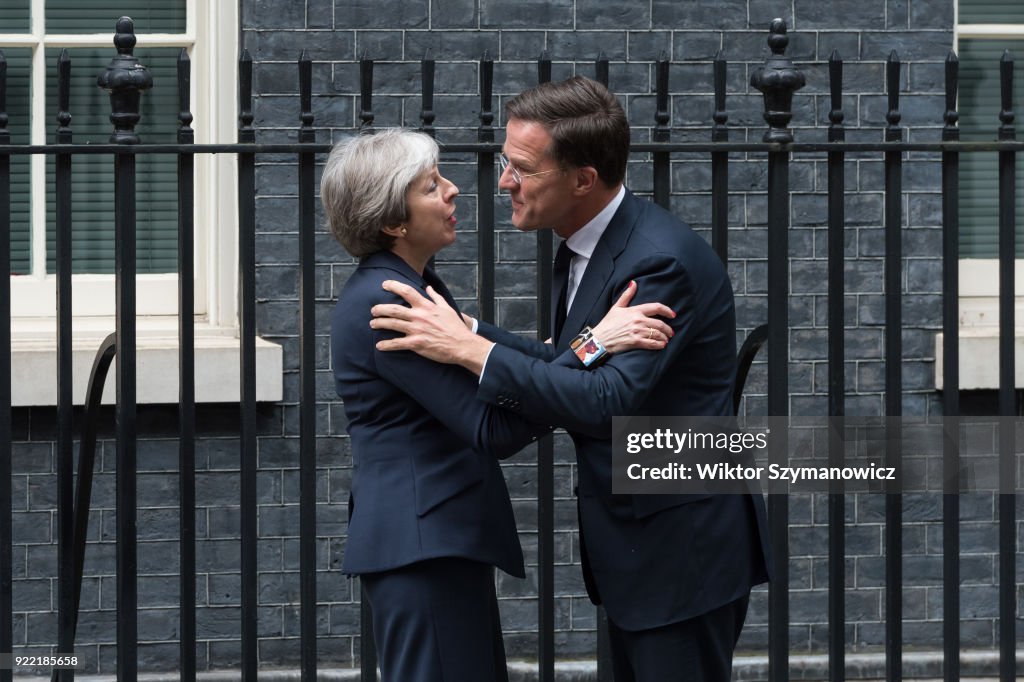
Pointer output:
x,y
781,455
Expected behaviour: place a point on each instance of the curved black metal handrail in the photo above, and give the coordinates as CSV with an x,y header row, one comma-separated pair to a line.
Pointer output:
x,y
745,358
86,462
86,459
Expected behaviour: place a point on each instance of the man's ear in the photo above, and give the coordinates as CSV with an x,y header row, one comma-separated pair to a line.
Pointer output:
x,y
585,181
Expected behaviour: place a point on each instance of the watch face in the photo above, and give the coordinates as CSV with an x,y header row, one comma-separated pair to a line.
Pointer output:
x,y
580,339
587,348
591,351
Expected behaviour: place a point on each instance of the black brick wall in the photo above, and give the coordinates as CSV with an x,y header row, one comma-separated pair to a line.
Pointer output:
x,y
397,34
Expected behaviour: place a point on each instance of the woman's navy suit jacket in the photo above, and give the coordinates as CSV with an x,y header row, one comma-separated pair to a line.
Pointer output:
x,y
426,481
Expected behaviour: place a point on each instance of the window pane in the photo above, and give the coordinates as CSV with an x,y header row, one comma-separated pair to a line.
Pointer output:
x,y
991,12
18,89
92,175
150,16
14,16
979,120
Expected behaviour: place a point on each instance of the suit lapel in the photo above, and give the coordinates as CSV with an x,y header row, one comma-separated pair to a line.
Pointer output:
x,y
600,269
388,260
430,278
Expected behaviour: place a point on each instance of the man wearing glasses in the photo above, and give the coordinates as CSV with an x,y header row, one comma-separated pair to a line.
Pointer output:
x,y
674,572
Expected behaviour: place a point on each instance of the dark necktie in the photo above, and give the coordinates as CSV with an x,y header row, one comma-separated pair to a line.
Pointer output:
x,y
560,287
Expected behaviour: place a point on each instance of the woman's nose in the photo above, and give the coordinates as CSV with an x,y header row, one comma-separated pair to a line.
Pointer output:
x,y
453,191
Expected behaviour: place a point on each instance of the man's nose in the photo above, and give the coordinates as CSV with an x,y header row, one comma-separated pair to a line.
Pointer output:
x,y
506,181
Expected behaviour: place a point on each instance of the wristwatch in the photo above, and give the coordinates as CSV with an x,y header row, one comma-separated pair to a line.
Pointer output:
x,y
588,349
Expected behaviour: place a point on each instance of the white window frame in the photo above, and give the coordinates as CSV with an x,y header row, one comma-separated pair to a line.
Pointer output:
x,y
211,40
979,277
214,77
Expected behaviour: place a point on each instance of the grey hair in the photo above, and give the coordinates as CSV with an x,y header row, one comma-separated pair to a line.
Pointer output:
x,y
365,182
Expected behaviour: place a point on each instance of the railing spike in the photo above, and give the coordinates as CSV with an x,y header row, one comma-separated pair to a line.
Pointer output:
x,y
720,116
950,116
601,68
63,97
485,131
366,92
306,133
245,118
544,67
661,114
3,95
1006,115
835,79
427,70
892,80
184,66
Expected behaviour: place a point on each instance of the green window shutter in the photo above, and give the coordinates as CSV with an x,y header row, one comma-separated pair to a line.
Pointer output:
x,y
14,16
980,103
991,12
18,101
100,16
93,175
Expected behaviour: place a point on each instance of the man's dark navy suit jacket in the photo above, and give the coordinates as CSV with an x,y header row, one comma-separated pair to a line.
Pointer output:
x,y
650,559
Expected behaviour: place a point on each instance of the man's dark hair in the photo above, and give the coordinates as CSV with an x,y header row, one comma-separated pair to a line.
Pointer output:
x,y
586,122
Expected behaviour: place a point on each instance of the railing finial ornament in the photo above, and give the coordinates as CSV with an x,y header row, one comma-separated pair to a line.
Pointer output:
x,y
778,80
125,79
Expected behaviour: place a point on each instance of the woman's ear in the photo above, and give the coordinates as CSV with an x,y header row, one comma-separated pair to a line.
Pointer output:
x,y
395,231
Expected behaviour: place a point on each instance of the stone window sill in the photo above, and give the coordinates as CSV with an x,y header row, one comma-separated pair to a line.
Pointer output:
x,y
979,358
34,362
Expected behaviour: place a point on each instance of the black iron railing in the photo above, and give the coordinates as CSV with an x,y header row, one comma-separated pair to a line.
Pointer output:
x,y
778,81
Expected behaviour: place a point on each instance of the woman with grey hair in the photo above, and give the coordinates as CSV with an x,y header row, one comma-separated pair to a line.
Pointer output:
x,y
429,511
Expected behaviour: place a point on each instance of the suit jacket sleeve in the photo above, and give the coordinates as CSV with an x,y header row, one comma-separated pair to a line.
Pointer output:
x,y
531,347
565,394
448,392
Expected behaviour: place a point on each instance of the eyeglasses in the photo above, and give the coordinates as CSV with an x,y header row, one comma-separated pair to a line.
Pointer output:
x,y
516,175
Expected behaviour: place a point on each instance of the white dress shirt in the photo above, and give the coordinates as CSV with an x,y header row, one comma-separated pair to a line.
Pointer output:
x,y
582,242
